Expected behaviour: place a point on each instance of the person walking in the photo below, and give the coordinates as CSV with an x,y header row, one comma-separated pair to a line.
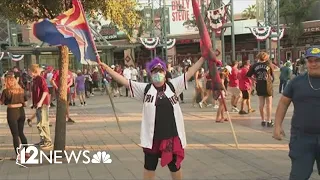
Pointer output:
x,y
304,92
14,97
285,76
162,130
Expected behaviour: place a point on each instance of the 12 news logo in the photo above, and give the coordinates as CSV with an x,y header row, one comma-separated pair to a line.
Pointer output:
x,y
38,156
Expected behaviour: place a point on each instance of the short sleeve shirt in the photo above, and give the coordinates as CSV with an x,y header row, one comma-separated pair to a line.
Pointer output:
x,y
306,102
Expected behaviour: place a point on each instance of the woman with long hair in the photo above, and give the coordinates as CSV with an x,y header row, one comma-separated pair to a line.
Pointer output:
x,y
162,130
262,73
14,97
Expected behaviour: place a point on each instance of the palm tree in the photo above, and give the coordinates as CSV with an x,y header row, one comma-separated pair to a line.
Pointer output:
x,y
250,12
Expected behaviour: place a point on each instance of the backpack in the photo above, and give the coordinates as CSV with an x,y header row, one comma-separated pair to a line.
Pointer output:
x,y
149,86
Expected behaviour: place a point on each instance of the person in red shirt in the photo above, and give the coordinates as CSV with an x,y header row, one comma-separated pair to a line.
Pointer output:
x,y
234,86
245,85
40,101
55,84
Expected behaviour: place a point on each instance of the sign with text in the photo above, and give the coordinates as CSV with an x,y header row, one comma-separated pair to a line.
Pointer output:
x,y
180,12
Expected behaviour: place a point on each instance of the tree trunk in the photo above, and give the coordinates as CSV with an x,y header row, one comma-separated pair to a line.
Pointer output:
x,y
60,130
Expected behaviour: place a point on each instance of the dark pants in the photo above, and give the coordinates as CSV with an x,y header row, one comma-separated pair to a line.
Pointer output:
x,y
304,151
283,84
15,119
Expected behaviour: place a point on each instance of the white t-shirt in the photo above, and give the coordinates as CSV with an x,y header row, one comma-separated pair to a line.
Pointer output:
x,y
127,73
134,74
149,109
49,77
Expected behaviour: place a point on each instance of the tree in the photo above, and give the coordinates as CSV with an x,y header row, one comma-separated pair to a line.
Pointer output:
x,y
26,11
294,13
250,12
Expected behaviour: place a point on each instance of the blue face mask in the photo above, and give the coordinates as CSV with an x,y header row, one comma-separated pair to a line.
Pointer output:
x,y
158,77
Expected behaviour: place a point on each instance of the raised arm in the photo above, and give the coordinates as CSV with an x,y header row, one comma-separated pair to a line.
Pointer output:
x,y
117,77
194,68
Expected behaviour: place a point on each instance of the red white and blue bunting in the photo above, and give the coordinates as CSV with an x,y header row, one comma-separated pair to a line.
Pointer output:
x,y
171,43
150,43
1,55
217,18
261,33
15,57
274,33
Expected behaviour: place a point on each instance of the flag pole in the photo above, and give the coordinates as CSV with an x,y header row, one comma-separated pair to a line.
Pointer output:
x,y
99,61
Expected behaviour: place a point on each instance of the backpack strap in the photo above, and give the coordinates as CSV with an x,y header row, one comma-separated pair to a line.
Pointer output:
x,y
171,86
146,89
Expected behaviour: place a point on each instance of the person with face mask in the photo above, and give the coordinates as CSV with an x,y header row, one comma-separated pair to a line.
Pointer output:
x,y
162,131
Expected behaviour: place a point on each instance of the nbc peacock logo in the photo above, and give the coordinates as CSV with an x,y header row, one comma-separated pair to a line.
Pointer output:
x,y
101,157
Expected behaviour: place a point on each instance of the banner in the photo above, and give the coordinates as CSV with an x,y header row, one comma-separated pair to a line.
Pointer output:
x,y
128,57
180,12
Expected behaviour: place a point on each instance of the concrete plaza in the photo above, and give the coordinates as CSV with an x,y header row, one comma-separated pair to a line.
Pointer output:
x,y
211,151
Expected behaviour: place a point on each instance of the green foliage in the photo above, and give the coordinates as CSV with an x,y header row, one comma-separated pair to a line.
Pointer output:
x,y
250,12
295,12
123,14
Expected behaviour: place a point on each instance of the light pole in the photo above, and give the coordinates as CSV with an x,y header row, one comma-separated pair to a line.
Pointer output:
x,y
164,13
278,32
233,43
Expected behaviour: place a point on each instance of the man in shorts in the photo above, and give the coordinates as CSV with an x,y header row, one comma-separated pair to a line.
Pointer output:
x,y
55,84
234,86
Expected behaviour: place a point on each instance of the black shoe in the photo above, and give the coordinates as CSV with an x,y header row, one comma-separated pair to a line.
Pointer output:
x,y
70,104
270,124
74,104
242,112
41,143
70,120
263,123
52,105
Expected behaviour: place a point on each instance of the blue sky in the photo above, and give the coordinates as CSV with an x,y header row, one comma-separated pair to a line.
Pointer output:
x,y
239,5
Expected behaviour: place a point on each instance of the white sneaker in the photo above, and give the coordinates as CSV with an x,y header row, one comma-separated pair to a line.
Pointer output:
x,y
200,104
234,109
215,107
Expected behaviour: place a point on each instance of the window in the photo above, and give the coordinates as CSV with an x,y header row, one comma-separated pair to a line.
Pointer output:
x,y
228,59
301,54
288,55
239,57
251,58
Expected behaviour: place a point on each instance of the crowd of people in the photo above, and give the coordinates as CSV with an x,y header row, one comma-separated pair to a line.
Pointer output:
x,y
160,87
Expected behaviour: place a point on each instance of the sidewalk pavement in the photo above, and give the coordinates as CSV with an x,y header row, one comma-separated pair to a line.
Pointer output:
x,y
211,152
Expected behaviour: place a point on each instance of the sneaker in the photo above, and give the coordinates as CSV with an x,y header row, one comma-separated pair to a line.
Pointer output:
x,y
270,124
215,107
70,120
252,110
263,123
29,122
235,109
47,146
242,112
200,104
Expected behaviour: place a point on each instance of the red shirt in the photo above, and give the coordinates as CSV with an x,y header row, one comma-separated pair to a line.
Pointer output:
x,y
56,75
233,78
39,87
244,82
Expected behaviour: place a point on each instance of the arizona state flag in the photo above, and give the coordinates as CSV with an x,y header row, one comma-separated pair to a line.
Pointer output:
x,y
69,29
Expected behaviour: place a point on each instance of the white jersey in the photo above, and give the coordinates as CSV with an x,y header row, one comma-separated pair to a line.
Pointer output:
x,y
149,108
